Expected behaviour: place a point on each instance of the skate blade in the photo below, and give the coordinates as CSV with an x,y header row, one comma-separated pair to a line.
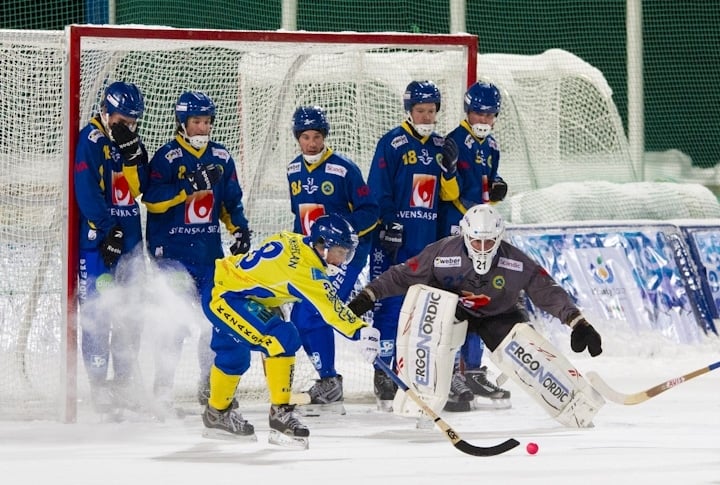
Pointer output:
x,y
219,434
385,406
485,404
334,408
295,442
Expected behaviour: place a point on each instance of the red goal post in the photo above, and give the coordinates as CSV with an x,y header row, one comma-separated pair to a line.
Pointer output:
x,y
257,79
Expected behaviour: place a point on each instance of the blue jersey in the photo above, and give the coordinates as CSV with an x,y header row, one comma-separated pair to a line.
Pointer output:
x,y
405,178
477,158
104,191
183,224
334,185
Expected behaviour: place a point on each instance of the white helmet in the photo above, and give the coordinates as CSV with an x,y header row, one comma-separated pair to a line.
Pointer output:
x,y
482,223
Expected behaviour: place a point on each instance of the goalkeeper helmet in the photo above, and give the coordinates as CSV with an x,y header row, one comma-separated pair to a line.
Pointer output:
x,y
338,239
124,98
310,118
189,104
482,229
421,92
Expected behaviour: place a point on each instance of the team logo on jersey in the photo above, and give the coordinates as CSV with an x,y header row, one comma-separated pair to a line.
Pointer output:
x,y
335,169
327,188
308,215
423,191
511,264
310,186
447,262
498,282
121,190
602,273
199,207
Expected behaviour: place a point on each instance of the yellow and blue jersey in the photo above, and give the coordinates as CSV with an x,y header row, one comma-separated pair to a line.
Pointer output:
x,y
284,269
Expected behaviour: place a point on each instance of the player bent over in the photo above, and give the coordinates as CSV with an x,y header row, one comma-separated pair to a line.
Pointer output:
x,y
488,275
286,268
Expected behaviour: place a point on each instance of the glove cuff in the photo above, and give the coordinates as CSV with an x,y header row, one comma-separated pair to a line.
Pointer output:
x,y
575,320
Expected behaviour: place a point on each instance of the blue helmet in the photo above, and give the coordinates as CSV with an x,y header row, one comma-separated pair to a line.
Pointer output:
x,y
193,103
421,92
333,230
310,118
124,98
483,97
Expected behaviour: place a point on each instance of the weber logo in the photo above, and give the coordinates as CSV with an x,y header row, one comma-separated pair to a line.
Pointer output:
x,y
448,262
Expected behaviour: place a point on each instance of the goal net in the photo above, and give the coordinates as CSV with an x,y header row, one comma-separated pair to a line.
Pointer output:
x,y
257,80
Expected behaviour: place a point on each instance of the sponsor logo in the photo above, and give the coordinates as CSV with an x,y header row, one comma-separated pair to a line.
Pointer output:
x,y
425,331
121,191
511,264
199,207
399,141
601,272
335,169
535,369
423,191
447,262
220,153
310,186
308,215
293,168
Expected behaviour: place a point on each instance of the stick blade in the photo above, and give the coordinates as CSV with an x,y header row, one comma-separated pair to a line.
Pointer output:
x,y
498,449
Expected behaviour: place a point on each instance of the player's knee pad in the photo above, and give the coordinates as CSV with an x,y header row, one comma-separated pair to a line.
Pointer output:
x,y
535,365
428,338
232,355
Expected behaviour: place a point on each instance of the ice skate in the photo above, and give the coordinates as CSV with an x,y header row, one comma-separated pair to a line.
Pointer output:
x,y
488,395
227,424
460,395
286,429
385,390
326,397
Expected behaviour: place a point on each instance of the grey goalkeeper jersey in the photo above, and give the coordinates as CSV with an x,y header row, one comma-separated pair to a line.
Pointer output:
x,y
446,265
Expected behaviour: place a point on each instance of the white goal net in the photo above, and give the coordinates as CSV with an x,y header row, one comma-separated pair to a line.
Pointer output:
x,y
257,80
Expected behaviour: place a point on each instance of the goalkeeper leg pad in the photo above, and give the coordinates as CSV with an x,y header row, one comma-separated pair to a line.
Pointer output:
x,y
536,366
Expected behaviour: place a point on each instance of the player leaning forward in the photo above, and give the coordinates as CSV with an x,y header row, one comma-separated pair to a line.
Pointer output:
x,y
488,275
286,268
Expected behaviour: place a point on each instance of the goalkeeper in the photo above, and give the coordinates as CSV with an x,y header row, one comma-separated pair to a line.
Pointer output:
x,y
111,164
286,268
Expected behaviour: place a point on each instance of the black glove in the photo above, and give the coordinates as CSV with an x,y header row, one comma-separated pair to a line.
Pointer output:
x,y
391,238
449,157
498,190
205,178
111,247
128,141
362,303
585,336
242,241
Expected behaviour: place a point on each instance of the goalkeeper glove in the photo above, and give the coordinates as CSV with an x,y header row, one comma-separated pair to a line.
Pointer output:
x,y
362,303
205,178
369,340
128,142
111,246
584,336
242,241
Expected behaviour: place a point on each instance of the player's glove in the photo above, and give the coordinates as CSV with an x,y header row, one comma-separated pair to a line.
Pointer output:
x,y
242,241
498,190
449,158
391,238
369,340
362,303
205,178
585,336
128,142
111,246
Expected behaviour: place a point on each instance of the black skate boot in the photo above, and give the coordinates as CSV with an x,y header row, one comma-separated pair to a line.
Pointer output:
x,y
286,429
227,424
460,395
385,390
484,388
326,397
